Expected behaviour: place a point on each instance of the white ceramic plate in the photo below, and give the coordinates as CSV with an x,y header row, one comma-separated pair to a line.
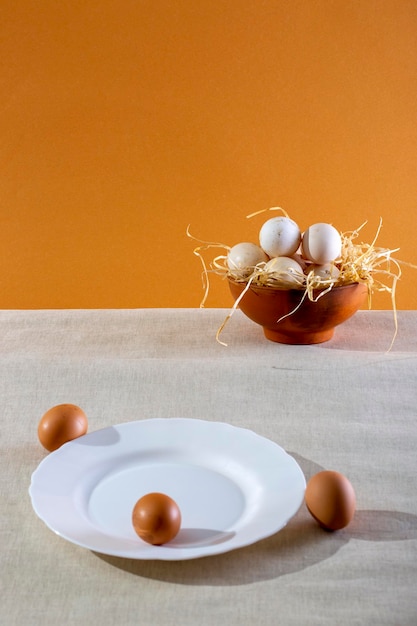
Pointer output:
x,y
232,486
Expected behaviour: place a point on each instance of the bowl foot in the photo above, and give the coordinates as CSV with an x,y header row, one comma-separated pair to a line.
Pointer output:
x,y
299,338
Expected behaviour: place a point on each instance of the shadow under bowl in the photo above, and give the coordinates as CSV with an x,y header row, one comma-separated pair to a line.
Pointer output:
x,y
312,321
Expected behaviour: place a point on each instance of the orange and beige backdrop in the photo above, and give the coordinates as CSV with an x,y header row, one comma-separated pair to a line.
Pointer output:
x,y
123,121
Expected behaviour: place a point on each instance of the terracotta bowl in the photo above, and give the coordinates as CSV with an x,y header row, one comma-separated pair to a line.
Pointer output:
x,y
312,322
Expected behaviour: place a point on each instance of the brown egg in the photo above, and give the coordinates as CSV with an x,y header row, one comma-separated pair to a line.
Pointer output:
x,y
156,518
60,424
331,500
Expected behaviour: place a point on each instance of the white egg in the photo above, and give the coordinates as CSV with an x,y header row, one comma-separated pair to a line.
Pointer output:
x,y
280,236
321,243
303,262
328,271
243,257
285,271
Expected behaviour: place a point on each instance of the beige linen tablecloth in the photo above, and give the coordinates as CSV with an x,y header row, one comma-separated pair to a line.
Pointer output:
x,y
346,405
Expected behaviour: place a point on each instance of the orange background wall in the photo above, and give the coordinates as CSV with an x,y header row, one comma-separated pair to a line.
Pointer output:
x,y
123,121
